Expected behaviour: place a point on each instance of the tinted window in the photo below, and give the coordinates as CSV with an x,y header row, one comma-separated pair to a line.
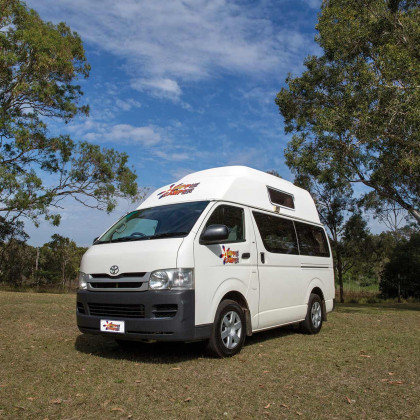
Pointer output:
x,y
233,218
281,198
312,240
155,222
278,235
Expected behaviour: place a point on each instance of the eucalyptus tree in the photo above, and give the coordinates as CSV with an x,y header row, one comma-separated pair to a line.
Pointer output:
x,y
358,104
40,66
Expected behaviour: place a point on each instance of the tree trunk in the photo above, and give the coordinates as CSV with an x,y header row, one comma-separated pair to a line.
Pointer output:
x,y
36,268
415,214
63,279
339,266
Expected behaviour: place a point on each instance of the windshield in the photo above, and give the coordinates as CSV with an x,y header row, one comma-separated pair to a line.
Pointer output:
x,y
174,220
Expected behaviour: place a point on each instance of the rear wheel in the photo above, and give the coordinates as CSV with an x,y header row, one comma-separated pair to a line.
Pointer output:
x,y
228,334
313,321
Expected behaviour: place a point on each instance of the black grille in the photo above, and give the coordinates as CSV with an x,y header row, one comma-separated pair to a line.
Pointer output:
x,y
116,285
112,310
122,275
80,307
165,311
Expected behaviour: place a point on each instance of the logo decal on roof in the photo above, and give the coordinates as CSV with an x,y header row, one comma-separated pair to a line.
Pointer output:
x,y
178,189
229,257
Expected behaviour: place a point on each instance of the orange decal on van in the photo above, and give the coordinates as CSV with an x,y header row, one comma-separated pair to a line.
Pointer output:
x,y
178,189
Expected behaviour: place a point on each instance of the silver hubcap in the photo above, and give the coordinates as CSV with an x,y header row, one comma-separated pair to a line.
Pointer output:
x,y
231,330
316,314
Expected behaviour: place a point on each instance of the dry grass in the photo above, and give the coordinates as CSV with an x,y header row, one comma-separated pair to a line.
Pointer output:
x,y
364,364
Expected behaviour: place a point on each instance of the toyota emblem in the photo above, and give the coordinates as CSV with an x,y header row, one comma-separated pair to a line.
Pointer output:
x,y
114,270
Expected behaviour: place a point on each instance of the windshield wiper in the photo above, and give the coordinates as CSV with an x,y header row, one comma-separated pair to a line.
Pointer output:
x,y
129,238
168,235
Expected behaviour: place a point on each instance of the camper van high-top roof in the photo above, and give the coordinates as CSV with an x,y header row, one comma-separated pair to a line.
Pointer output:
x,y
238,184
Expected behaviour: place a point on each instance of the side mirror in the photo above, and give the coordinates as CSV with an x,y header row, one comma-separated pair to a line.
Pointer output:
x,y
95,239
214,234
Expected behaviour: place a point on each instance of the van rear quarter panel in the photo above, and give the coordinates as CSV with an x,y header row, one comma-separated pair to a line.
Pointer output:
x,y
318,272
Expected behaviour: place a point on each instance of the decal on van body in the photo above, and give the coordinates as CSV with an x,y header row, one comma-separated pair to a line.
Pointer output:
x,y
229,257
178,189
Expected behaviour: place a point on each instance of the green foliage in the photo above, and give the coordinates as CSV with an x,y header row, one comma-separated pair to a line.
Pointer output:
x,y
357,249
401,275
54,265
355,111
389,213
59,261
333,196
274,172
40,64
11,229
17,260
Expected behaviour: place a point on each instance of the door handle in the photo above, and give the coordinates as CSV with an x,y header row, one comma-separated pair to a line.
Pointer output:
x,y
245,255
262,257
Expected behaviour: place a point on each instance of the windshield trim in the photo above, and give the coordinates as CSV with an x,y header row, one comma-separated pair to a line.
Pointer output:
x,y
145,238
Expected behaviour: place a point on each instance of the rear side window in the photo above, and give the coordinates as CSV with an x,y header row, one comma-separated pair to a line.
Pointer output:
x,y
278,235
281,198
312,240
233,218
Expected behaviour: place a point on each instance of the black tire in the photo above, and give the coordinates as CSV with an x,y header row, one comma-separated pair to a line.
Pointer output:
x,y
233,342
313,321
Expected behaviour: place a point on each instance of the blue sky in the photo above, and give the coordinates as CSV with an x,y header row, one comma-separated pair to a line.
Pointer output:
x,y
181,86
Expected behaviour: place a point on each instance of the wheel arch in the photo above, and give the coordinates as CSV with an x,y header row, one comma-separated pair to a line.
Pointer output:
x,y
241,300
317,291
316,287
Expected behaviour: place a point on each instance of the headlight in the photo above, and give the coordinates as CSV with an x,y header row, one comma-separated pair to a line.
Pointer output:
x,y
174,278
83,280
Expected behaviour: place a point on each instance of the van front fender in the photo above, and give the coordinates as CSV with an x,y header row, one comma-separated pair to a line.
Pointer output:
x,y
228,285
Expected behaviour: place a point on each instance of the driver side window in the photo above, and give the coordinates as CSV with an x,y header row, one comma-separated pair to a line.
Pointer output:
x,y
233,218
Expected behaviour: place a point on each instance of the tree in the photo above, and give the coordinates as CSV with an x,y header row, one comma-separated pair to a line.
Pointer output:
x,y
401,275
358,105
60,260
357,246
332,194
16,262
40,64
274,173
393,216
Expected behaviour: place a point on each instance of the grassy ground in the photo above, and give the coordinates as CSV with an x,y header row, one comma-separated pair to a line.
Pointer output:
x,y
364,364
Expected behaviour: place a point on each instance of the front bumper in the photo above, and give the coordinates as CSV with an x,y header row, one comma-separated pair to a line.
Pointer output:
x,y
177,326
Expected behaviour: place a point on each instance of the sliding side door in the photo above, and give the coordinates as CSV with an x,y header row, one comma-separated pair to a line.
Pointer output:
x,y
279,270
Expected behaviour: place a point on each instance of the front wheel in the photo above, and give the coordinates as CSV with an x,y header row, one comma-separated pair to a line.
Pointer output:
x,y
228,334
313,321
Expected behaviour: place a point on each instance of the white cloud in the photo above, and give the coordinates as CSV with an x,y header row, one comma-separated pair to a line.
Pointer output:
x,y
249,157
179,173
127,104
165,44
314,4
170,155
145,135
98,131
160,88
158,142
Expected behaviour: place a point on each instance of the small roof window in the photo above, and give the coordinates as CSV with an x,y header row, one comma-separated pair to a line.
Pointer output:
x,y
280,198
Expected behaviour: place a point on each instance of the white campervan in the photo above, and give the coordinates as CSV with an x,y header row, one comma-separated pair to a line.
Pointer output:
x,y
218,255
